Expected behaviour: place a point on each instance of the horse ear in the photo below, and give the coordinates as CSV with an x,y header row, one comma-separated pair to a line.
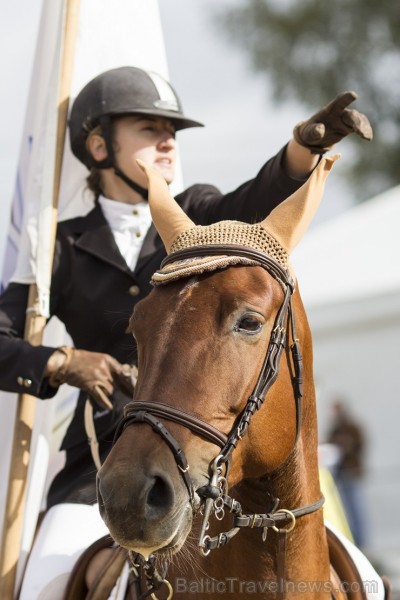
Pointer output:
x,y
168,217
288,222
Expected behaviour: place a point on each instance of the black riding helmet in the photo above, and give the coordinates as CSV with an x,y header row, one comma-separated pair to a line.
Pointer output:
x,y
121,91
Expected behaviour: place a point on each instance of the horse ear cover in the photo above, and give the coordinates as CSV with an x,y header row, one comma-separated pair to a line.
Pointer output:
x,y
286,224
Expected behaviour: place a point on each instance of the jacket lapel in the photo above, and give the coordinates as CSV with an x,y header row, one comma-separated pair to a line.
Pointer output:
x,y
97,239
152,245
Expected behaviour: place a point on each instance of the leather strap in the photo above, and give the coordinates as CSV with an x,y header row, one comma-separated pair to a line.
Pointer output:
x,y
337,592
281,564
108,577
345,567
142,416
277,518
77,587
91,433
179,416
109,162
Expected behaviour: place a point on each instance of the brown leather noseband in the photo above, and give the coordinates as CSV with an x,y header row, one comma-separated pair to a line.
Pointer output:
x,y
147,412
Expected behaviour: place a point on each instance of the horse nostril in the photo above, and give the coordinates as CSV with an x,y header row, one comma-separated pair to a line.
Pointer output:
x,y
160,497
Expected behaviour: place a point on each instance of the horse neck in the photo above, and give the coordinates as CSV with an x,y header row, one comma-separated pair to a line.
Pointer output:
x,y
246,558
296,484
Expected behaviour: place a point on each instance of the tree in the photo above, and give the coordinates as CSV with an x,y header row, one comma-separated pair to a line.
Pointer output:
x,y
310,50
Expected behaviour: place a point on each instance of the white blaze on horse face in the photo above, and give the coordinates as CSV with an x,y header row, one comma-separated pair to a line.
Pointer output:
x,y
190,284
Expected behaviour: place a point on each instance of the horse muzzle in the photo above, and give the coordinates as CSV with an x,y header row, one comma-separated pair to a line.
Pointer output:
x,y
145,506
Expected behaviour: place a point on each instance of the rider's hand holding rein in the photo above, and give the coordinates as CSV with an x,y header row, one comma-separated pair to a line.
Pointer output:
x,y
96,373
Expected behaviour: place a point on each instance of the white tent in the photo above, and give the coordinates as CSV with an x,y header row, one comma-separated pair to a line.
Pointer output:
x,y
349,276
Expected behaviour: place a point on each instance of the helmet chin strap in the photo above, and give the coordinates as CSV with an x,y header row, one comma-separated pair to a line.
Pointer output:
x,y
132,184
106,128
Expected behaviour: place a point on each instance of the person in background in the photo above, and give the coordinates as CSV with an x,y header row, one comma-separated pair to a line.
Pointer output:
x,y
348,437
104,261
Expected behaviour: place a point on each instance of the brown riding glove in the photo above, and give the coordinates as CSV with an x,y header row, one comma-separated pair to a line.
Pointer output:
x,y
331,124
96,373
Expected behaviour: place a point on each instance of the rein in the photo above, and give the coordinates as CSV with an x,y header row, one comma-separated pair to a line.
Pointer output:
x,y
215,494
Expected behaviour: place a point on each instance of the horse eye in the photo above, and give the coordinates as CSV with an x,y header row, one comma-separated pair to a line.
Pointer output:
x,y
248,325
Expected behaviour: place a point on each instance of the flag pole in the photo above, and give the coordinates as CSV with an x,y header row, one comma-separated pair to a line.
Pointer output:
x,y
34,327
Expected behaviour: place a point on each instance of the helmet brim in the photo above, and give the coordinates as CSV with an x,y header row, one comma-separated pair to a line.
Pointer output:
x,y
179,122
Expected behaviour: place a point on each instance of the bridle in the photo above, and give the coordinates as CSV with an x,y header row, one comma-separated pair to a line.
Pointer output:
x,y
215,494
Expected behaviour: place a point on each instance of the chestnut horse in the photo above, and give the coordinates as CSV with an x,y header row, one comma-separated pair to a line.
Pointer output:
x,y
214,470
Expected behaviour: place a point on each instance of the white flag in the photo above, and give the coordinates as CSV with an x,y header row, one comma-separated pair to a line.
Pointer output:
x,y
111,33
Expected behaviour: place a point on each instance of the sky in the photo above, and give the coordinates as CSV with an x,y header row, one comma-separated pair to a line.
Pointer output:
x,y
213,80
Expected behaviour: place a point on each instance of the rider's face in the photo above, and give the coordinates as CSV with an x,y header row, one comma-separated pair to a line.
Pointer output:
x,y
151,139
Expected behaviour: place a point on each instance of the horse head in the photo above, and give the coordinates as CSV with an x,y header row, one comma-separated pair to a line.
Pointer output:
x,y
217,404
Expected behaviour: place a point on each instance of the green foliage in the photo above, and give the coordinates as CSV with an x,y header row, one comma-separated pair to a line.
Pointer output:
x,y
310,50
